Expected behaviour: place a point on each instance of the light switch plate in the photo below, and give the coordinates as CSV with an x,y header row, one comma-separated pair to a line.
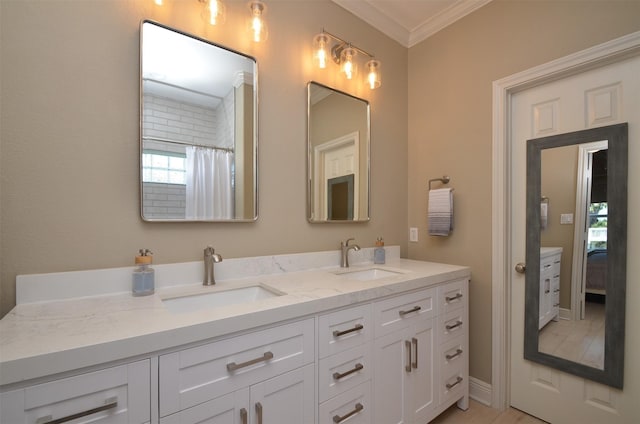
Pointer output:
x,y
566,218
413,234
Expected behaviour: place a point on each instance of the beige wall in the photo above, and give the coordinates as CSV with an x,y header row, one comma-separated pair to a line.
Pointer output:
x,y
69,135
450,117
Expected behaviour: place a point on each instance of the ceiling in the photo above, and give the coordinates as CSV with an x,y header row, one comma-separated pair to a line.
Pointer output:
x,y
410,21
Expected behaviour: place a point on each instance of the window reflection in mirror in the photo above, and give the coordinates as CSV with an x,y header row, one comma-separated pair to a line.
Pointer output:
x,y
198,129
338,156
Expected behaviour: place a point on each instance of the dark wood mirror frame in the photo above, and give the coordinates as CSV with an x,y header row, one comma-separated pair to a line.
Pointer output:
x,y
617,164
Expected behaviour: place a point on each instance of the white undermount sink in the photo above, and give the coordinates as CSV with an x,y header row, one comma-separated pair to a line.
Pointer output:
x,y
218,298
368,274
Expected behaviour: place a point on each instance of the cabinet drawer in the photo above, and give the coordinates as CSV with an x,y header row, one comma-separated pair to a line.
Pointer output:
x,y
229,408
452,325
453,356
202,373
115,395
452,296
353,406
394,314
344,371
453,386
342,330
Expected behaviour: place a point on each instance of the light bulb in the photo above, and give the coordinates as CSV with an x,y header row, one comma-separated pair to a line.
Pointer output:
x,y
213,12
320,50
374,78
257,25
348,65
158,2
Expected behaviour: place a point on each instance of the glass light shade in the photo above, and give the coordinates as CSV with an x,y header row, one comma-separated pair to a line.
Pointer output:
x,y
158,2
348,64
257,24
374,77
214,12
320,51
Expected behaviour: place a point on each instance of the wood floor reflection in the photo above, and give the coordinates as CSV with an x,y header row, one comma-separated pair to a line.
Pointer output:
x,y
480,414
579,341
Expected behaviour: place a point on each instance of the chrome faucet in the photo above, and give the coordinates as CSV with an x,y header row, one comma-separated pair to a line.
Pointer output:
x,y
345,247
210,258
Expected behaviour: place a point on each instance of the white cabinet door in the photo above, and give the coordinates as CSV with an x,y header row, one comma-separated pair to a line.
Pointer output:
x,y
421,393
391,365
287,398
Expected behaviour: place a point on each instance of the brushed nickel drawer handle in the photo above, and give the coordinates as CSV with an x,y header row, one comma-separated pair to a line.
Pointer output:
x,y
108,404
338,376
338,419
452,326
451,299
259,412
455,355
452,385
407,346
357,327
414,309
232,366
243,416
414,364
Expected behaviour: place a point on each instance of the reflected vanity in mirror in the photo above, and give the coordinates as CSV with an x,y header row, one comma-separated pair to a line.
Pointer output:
x,y
198,147
338,126
576,252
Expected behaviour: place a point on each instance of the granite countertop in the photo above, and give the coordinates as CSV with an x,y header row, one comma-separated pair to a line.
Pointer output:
x,y
44,338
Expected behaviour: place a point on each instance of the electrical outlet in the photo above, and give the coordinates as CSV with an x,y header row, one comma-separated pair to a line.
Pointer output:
x,y
413,234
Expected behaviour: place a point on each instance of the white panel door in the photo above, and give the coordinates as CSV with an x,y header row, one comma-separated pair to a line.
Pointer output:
x,y
599,97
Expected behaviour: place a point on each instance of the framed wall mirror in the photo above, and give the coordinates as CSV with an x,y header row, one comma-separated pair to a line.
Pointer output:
x,y
198,126
576,252
338,137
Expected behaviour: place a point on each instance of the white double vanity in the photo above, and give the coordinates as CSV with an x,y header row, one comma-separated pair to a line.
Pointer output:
x,y
290,339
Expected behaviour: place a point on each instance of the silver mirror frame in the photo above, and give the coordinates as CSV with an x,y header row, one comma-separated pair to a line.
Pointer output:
x,y
310,159
255,131
617,163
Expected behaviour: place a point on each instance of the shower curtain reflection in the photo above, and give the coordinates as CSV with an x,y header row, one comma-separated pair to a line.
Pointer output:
x,y
209,183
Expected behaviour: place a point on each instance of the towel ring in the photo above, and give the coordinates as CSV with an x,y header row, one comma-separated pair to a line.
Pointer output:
x,y
444,180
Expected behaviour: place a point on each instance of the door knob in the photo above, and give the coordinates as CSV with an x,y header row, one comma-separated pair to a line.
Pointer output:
x,y
520,267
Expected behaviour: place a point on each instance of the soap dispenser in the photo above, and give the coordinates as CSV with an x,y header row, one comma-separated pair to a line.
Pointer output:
x,y
378,252
143,276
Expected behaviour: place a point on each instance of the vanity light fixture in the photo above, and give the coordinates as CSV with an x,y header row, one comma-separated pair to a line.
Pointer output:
x,y
344,54
257,24
214,11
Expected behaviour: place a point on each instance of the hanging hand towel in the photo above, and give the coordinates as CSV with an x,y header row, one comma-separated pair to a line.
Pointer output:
x,y
440,212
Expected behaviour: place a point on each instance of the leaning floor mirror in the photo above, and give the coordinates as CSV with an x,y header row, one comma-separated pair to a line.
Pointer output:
x,y
338,156
198,125
576,252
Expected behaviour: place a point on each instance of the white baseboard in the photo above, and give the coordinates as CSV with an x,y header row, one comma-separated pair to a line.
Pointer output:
x,y
565,313
480,391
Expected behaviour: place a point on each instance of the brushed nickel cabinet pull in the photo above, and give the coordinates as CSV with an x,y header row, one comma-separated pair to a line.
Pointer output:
x,y
259,412
414,309
452,326
407,345
338,419
357,327
108,404
455,355
414,364
243,416
338,376
452,385
232,366
451,299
